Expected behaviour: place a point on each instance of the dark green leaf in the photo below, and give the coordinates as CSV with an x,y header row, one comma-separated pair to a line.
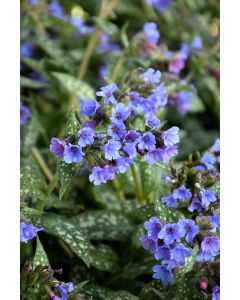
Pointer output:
x,y
40,257
73,124
32,84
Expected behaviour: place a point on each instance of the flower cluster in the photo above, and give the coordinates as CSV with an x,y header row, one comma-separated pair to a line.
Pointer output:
x,y
28,231
107,143
64,289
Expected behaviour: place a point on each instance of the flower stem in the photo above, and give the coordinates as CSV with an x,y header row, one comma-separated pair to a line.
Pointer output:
x,y
138,185
117,186
43,166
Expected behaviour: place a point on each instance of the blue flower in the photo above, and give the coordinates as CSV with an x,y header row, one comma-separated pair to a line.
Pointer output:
x,y
73,154
134,98
131,150
159,96
216,146
197,43
168,152
163,252
101,175
131,137
170,201
28,231
88,107
105,44
184,50
64,289
151,76
24,114
195,205
26,49
160,5
184,101
151,157
151,32
85,136
122,164
182,194
107,93
215,220
169,233
120,113
117,131
57,147
167,179
208,160
216,293
147,141
179,252
56,9
163,273
176,65
153,227
207,197
170,136
32,2
151,121
188,228
111,149
148,243
78,22
210,247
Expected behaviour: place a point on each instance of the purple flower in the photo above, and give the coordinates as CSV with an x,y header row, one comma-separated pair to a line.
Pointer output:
x,y
65,289
73,154
170,136
215,220
159,96
101,175
163,273
120,113
148,243
151,76
210,247
163,252
184,101
55,9
57,147
153,227
147,141
207,197
200,168
216,293
107,93
24,114
167,179
172,263
88,107
197,43
105,44
28,231
122,164
26,49
151,33
131,137
160,5
151,121
170,201
117,131
85,136
188,228
182,194
176,65
216,146
195,205
151,157
184,50
111,149
131,150
169,233
78,22
168,152
179,252
32,2
91,123
208,160
134,98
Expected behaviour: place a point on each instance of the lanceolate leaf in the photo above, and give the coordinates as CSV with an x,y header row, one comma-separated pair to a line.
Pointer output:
x,y
73,124
40,257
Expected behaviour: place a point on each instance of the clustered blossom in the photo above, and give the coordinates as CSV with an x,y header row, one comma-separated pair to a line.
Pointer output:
x,y
64,289
28,231
112,147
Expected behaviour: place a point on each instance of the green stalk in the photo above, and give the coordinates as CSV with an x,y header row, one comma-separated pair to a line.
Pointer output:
x,y
117,186
138,185
41,163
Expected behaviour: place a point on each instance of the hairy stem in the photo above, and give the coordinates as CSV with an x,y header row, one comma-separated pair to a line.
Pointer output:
x,y
41,163
138,185
117,186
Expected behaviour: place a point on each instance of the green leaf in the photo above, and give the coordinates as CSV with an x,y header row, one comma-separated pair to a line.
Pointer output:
x,y
73,124
216,188
189,263
63,228
35,65
94,292
108,27
29,134
32,84
197,105
78,87
66,173
40,257
120,295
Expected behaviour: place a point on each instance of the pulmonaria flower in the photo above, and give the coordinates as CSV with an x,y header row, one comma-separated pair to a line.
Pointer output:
x,y
160,5
182,194
101,175
169,152
214,220
167,179
134,99
151,157
32,2
120,113
123,163
151,121
208,160
107,93
57,147
197,43
179,252
88,107
163,252
153,227
78,23
151,33
64,289
170,201
151,76
184,50
159,96
117,131
131,150
170,136
183,101
24,114
195,205
111,149
73,154
56,9
210,247
216,293
26,49
28,231
188,228
105,44
85,136
207,197
148,243
163,273
147,141
169,233
131,137
176,65
216,146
